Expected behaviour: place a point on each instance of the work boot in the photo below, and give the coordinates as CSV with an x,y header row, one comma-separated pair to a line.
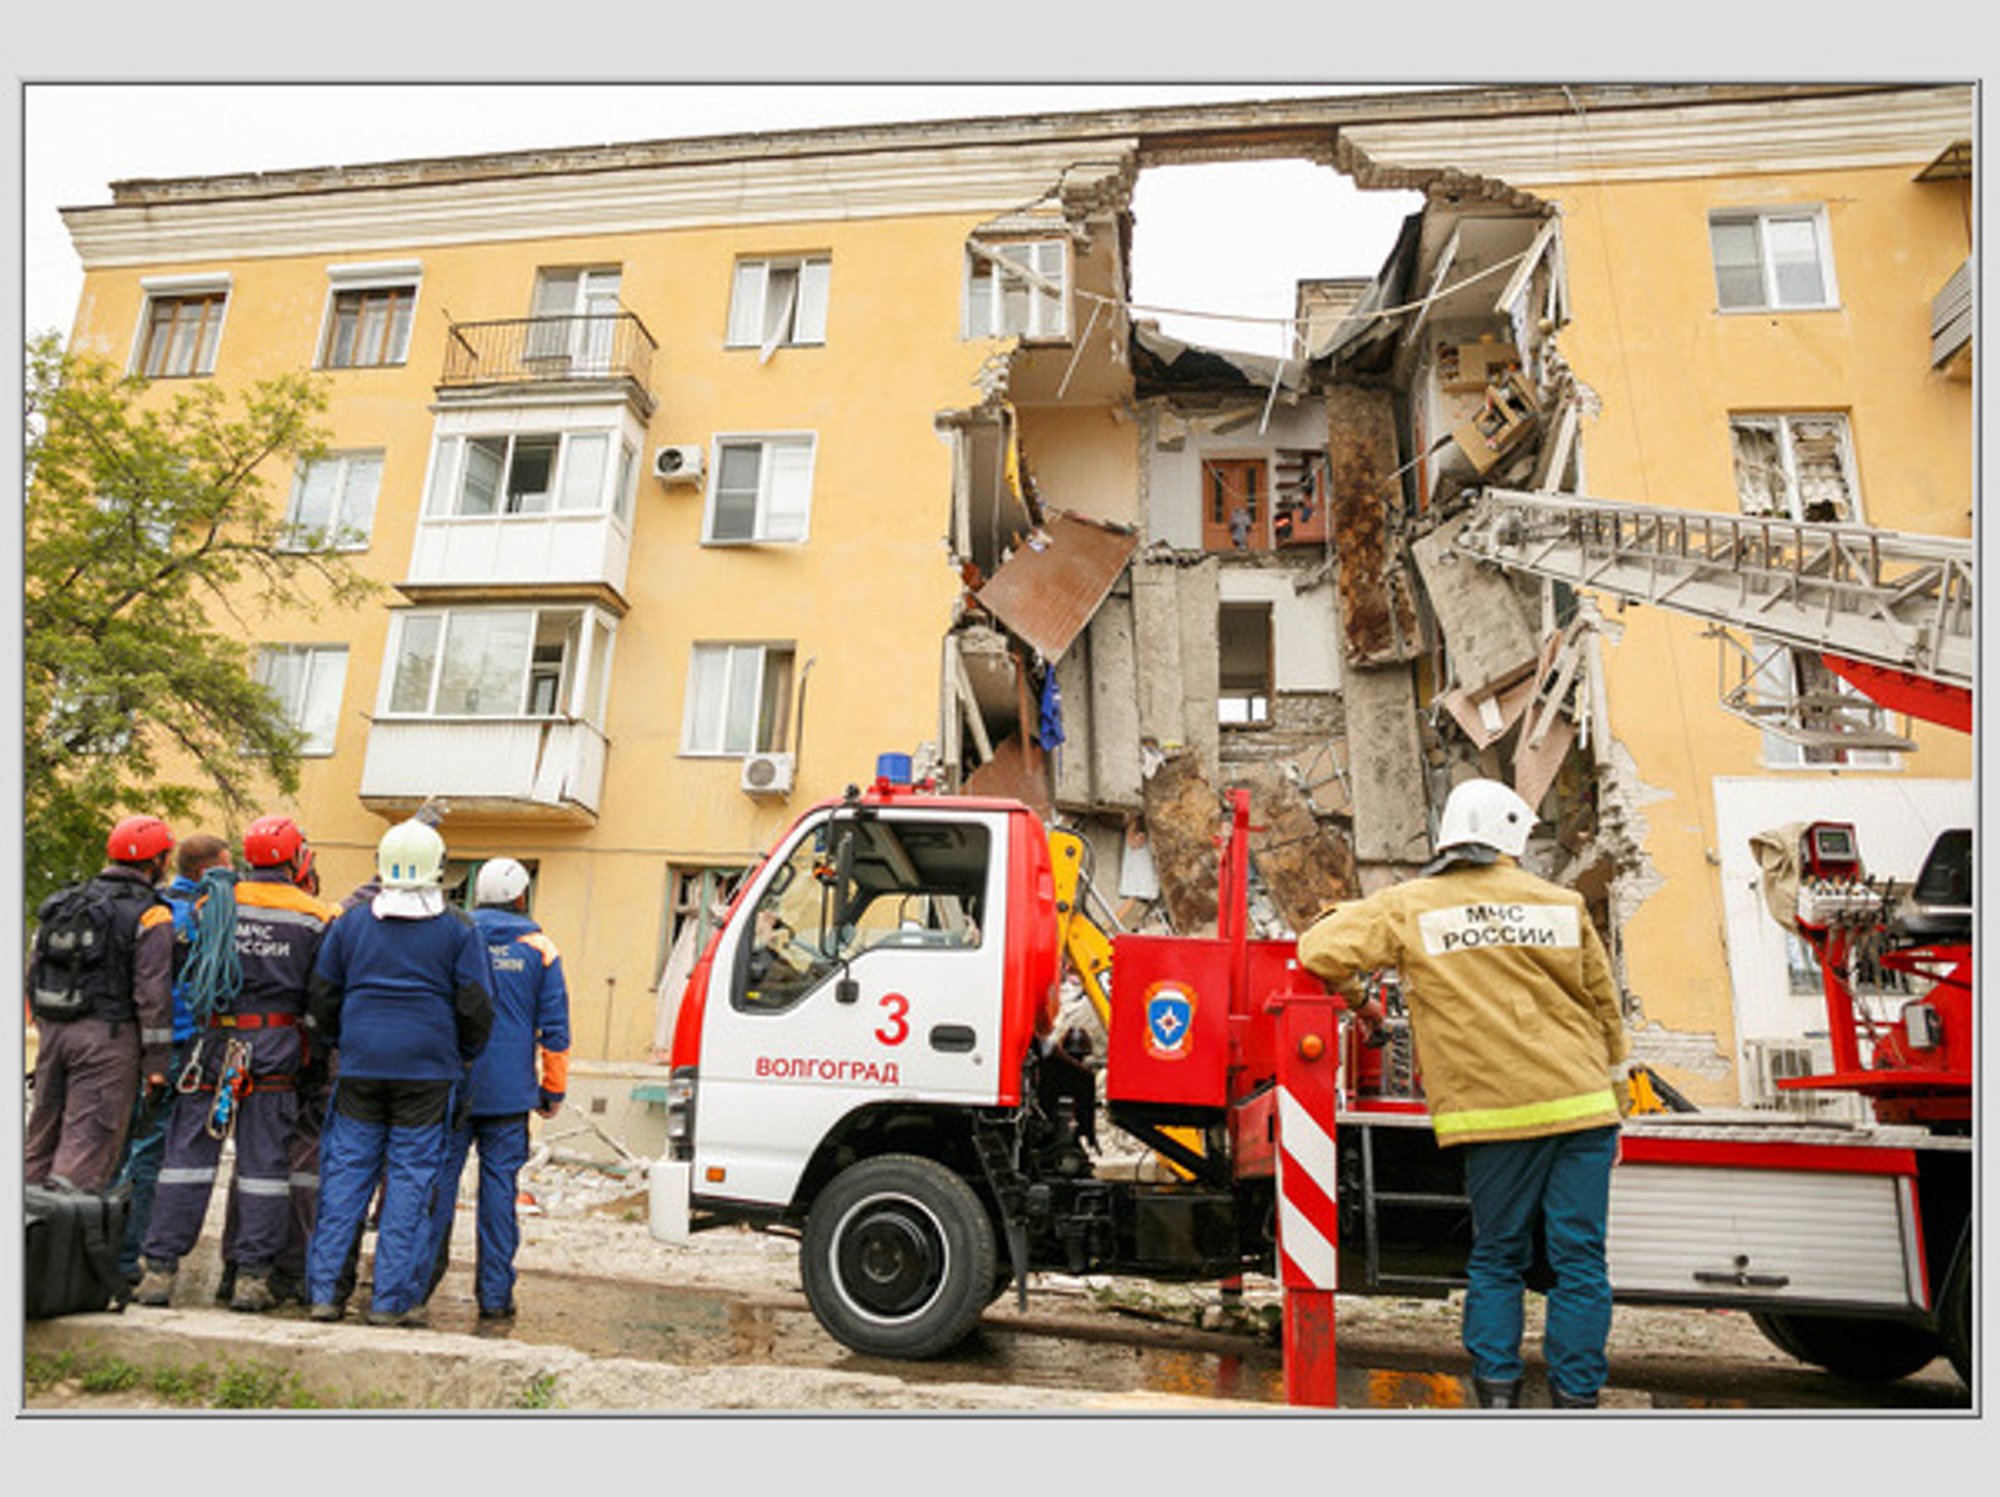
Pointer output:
x,y
287,1288
502,1312
225,1286
1497,1395
252,1294
325,1312
1561,1400
156,1286
413,1318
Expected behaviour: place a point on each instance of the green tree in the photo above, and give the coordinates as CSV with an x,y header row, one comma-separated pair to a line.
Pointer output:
x,y
150,542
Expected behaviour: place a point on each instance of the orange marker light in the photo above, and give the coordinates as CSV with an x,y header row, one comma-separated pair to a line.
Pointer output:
x,y
1311,1046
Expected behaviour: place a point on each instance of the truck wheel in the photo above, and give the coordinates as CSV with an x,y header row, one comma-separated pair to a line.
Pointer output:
x,y
898,1257
1866,1351
1955,1311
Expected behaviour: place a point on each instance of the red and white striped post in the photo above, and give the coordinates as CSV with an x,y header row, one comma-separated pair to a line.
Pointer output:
x,y
1308,1210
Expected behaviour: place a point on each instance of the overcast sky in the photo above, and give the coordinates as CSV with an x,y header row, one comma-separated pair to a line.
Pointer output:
x,y
1224,239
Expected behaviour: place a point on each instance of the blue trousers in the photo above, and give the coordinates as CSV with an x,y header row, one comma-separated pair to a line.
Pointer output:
x,y
145,1150
503,1149
371,1142
1564,1182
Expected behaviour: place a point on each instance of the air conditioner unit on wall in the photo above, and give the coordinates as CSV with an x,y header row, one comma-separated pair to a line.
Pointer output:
x,y
767,774
677,464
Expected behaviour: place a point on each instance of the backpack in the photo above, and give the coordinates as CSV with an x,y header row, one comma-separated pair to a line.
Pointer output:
x,y
71,1260
83,953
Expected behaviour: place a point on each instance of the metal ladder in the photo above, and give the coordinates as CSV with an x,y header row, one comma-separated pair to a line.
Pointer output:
x,y
1882,598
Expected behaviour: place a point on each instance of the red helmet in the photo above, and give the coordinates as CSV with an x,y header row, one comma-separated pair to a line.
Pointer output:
x,y
138,839
272,842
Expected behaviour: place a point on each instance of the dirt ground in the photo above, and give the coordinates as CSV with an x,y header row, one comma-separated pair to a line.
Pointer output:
x,y
620,1321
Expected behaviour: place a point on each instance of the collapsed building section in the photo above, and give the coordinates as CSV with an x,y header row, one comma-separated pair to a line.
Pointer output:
x,y
1190,570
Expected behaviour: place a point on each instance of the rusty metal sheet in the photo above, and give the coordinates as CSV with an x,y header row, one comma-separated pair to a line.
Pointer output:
x,y
1047,591
1378,615
1013,774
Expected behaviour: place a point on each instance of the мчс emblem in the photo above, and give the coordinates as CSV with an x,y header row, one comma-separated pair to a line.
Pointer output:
x,y
1169,1021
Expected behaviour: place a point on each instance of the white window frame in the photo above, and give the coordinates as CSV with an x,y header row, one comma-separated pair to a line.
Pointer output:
x,y
444,492
344,533
1782,422
319,660
763,531
736,655
797,319
1762,219
594,302
383,275
583,679
180,288
991,265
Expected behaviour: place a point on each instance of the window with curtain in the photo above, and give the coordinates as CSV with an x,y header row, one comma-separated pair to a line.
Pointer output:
x,y
737,699
779,303
332,506
180,334
1019,289
1771,260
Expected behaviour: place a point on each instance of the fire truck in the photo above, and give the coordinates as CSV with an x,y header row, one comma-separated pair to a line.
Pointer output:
x,y
866,1057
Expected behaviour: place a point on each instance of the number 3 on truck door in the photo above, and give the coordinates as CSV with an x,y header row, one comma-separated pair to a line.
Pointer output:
x,y
897,1029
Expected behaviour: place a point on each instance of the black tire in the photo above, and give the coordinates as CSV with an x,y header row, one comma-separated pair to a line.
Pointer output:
x,y
1862,1350
898,1258
1955,1311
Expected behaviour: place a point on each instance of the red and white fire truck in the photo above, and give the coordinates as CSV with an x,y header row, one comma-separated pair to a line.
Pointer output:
x,y
865,1057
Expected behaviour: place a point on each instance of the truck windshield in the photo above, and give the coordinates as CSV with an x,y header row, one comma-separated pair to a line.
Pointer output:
x,y
917,883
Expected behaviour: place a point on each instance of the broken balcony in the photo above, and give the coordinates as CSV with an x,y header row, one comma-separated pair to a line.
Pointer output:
x,y
513,356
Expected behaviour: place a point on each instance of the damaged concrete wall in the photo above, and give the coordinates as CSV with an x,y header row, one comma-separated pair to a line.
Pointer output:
x,y
1305,636
1479,613
1305,867
1183,820
1114,704
1385,761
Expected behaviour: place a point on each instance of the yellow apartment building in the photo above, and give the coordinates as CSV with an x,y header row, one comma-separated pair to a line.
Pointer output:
x,y
686,467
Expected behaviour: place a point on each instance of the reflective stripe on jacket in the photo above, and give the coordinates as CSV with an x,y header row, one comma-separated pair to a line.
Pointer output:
x,y
1516,1018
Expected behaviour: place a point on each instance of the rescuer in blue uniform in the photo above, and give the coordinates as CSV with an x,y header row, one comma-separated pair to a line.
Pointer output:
x,y
530,1012
240,1073
402,989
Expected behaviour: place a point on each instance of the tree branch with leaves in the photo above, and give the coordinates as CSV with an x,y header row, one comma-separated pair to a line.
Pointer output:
x,y
150,536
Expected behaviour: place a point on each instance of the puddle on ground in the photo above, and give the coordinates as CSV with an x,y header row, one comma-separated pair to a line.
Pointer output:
x,y
695,1327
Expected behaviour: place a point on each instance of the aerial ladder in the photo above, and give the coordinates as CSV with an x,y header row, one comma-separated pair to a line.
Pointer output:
x,y
1889,613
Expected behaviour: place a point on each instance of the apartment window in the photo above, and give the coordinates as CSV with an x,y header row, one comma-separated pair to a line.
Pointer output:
x,y
779,303
307,681
181,332
498,662
575,311
333,502
1795,467
1776,260
737,699
1017,289
529,473
762,489
368,326
1243,687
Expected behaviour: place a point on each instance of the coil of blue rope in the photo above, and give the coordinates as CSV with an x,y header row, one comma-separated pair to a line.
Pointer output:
x,y
214,976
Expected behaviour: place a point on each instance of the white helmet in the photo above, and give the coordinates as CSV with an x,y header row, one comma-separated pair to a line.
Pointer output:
x,y
410,856
1486,812
501,881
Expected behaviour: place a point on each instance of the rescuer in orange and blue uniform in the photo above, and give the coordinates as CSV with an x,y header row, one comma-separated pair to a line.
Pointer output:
x,y
530,1012
250,1044
1522,1047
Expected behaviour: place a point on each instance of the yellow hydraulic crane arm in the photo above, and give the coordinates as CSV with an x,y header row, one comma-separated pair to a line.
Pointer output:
x,y
1078,936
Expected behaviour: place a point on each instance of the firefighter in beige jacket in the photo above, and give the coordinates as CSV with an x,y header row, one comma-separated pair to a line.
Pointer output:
x,y
1521,1048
